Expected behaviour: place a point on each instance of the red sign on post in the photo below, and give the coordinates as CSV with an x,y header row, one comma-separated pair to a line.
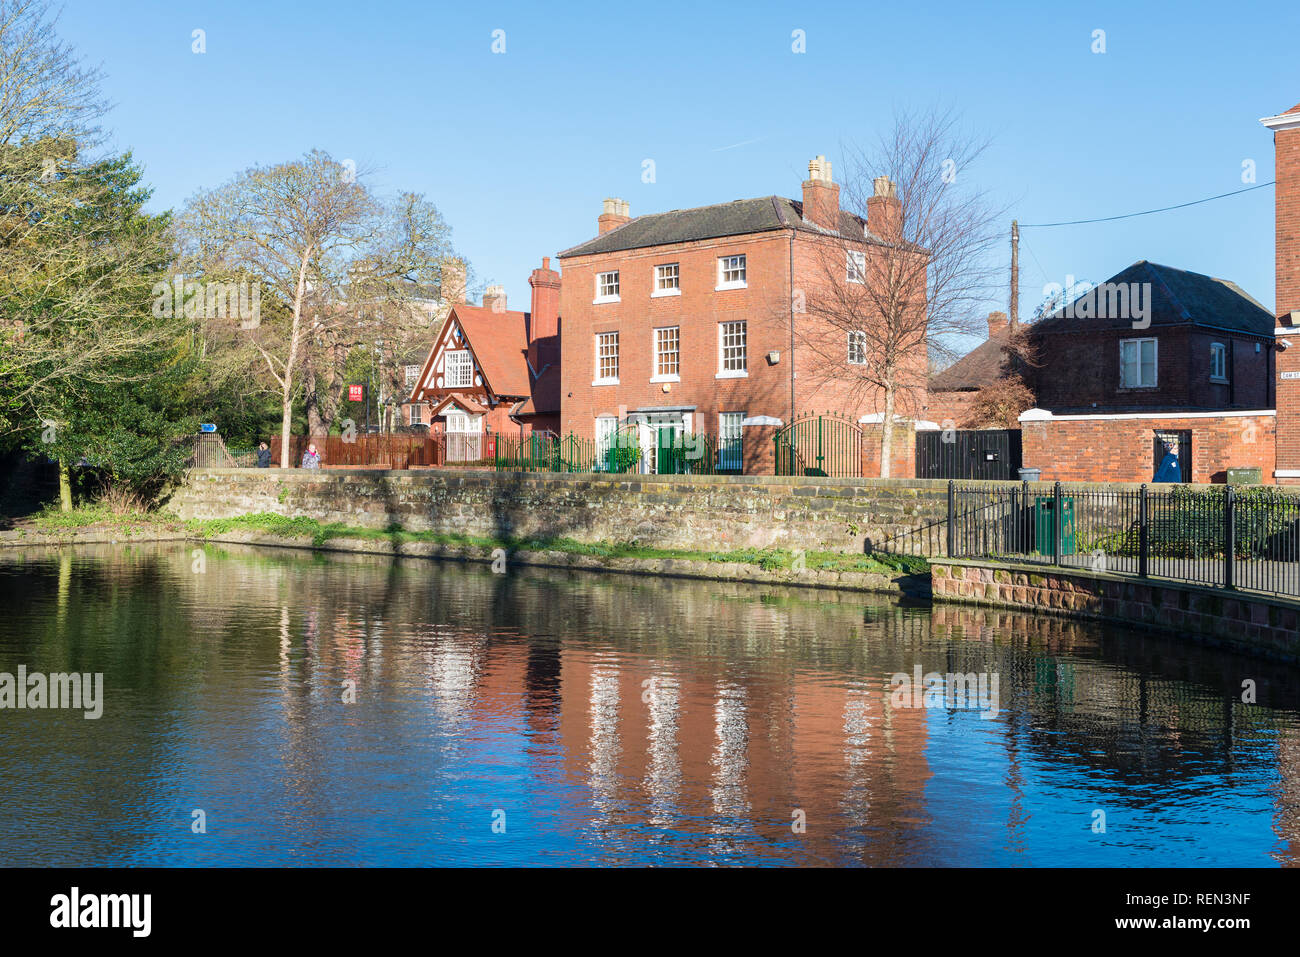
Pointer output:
x,y
355,393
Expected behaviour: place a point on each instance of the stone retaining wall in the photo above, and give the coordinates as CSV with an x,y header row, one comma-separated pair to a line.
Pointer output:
x,y
698,512
1249,622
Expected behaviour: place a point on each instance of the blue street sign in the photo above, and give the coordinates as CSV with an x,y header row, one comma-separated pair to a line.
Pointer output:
x,y
207,427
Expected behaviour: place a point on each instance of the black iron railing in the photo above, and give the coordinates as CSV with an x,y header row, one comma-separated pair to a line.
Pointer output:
x,y
1230,537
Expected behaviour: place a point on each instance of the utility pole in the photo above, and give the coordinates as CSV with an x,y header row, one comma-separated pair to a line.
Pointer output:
x,y
1014,310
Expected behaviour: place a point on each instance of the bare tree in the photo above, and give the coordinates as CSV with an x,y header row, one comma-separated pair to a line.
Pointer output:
x,y
890,295
45,90
318,240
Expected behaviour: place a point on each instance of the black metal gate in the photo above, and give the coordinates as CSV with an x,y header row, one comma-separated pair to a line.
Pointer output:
x,y
828,444
985,454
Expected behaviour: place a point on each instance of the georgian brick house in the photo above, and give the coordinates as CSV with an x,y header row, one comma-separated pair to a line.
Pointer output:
x,y
493,370
685,321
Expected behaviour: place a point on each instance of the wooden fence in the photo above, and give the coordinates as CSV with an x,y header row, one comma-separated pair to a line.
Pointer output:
x,y
400,451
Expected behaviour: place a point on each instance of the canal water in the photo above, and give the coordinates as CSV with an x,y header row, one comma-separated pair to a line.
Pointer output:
x,y
279,707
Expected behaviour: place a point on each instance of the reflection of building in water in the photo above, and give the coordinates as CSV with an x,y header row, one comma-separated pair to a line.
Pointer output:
x,y
1286,798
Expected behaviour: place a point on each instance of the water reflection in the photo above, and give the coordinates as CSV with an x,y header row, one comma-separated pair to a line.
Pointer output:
x,y
354,710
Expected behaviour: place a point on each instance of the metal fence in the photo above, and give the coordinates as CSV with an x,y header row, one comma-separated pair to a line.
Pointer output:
x,y
1229,537
670,453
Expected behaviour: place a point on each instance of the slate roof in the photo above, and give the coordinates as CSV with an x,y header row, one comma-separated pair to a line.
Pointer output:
x,y
980,367
1178,297
737,218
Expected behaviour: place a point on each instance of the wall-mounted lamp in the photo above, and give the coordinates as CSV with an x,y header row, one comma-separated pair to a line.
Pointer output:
x,y
773,358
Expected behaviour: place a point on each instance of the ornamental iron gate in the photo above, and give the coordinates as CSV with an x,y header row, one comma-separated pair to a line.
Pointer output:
x,y
829,444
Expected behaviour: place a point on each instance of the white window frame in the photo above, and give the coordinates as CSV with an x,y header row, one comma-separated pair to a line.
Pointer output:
x,y
1219,357
467,367
737,263
411,374
660,354
606,429
603,339
603,286
727,431
855,265
416,417
723,371
662,276
462,422
1155,363
856,348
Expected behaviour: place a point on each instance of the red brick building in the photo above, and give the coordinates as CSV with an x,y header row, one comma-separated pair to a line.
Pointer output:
x,y
1286,147
493,370
952,392
686,321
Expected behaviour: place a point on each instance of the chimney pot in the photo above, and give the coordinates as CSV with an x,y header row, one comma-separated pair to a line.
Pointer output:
x,y
615,212
821,196
885,187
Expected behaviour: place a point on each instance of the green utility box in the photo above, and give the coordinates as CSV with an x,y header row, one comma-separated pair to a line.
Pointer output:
x,y
1045,525
1246,476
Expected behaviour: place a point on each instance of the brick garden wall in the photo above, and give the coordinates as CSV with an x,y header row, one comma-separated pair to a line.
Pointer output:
x,y
696,512
1119,449
1248,622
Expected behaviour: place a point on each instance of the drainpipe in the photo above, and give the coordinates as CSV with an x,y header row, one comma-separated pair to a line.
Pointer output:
x,y
790,299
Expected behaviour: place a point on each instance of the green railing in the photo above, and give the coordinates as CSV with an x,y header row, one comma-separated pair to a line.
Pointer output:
x,y
671,454
824,445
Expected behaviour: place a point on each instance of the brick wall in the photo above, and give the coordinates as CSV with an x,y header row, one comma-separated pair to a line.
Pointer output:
x,y
1082,368
696,512
954,407
1286,145
1120,448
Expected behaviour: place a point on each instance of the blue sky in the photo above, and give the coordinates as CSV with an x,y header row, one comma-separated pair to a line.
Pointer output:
x,y
518,149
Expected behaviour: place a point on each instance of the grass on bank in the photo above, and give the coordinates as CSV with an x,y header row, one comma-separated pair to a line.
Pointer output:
x,y
50,520
769,559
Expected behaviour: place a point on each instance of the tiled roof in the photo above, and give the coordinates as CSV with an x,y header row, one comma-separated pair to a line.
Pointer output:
x,y
499,341
736,218
980,367
461,402
1178,297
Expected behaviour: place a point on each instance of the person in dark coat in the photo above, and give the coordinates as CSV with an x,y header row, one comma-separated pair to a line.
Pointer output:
x,y
263,456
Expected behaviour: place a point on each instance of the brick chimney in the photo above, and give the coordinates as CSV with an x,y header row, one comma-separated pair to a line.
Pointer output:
x,y
615,214
884,211
997,322
494,298
544,320
1286,150
821,197
453,282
